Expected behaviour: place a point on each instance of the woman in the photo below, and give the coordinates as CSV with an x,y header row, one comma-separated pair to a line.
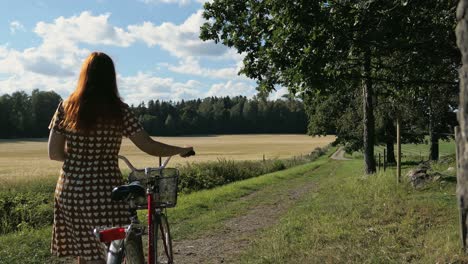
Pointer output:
x,y
86,133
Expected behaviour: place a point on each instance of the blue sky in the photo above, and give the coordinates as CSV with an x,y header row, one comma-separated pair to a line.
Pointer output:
x,y
154,44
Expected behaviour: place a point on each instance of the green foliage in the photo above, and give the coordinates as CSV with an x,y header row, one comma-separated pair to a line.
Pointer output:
x,y
206,175
23,210
320,49
27,116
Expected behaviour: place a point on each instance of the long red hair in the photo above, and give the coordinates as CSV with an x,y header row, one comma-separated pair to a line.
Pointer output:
x,y
96,98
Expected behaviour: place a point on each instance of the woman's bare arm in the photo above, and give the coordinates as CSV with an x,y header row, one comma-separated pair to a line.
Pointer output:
x,y
144,142
56,146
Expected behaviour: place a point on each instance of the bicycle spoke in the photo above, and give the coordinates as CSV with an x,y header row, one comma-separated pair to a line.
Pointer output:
x,y
165,241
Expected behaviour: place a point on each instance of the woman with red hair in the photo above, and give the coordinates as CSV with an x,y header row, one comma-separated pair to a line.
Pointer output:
x,y
86,133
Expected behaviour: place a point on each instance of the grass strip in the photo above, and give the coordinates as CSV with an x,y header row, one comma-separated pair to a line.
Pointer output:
x,y
365,219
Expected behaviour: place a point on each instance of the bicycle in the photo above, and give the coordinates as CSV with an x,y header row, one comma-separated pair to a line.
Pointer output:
x,y
159,185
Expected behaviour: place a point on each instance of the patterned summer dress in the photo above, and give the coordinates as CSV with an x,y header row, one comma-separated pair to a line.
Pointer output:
x,y
82,195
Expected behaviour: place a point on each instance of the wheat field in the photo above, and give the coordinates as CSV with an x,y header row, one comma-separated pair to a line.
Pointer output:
x,y
23,161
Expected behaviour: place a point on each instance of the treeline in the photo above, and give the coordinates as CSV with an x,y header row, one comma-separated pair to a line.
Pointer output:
x,y
23,115
223,115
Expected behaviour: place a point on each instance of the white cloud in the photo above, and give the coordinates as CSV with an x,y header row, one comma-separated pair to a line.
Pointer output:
x,y
59,53
84,28
16,26
145,86
191,65
30,81
133,89
180,40
50,59
231,88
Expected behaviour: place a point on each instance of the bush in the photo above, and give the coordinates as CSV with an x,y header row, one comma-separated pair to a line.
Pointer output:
x,y
20,210
207,175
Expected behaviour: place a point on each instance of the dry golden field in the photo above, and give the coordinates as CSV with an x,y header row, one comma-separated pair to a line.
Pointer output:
x,y
26,160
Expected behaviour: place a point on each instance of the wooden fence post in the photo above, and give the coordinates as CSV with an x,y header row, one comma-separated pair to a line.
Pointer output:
x,y
398,151
385,159
379,161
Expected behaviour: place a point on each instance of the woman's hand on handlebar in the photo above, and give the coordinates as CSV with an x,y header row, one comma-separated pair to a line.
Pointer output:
x,y
187,152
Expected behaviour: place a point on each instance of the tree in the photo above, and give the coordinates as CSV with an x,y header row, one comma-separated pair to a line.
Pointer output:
x,y
250,114
235,116
150,123
303,45
462,132
22,118
317,47
43,106
170,124
6,117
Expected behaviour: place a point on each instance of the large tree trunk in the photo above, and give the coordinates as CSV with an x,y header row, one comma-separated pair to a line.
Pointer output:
x,y
434,145
462,136
368,109
433,136
390,151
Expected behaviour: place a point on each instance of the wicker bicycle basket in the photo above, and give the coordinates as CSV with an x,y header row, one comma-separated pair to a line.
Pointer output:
x,y
164,183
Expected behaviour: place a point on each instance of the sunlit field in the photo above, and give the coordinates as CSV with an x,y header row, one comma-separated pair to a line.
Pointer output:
x,y
23,161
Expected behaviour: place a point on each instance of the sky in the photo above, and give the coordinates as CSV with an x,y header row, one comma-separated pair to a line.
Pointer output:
x,y
154,45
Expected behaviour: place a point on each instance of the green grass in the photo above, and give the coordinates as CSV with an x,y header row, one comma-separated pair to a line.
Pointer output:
x,y
353,218
196,213
421,150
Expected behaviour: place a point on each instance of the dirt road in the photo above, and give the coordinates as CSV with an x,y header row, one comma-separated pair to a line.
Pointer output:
x,y
224,245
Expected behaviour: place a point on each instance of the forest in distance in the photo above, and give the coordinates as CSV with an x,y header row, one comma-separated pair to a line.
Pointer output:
x,y
28,116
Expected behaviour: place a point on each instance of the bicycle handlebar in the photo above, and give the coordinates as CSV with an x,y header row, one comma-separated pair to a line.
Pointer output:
x,y
130,165
127,162
188,154
164,164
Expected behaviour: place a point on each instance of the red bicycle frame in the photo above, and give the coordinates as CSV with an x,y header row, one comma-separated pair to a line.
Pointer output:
x,y
151,238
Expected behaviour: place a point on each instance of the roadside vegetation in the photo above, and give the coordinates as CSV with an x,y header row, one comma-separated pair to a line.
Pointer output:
x,y
353,218
31,206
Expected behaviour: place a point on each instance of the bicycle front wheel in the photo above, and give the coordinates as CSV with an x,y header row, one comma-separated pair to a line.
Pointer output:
x,y
162,247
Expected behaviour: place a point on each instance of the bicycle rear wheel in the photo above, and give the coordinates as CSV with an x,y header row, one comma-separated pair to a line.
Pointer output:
x,y
134,250
162,246
131,253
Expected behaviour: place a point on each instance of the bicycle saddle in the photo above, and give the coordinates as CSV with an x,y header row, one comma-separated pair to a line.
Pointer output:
x,y
123,192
